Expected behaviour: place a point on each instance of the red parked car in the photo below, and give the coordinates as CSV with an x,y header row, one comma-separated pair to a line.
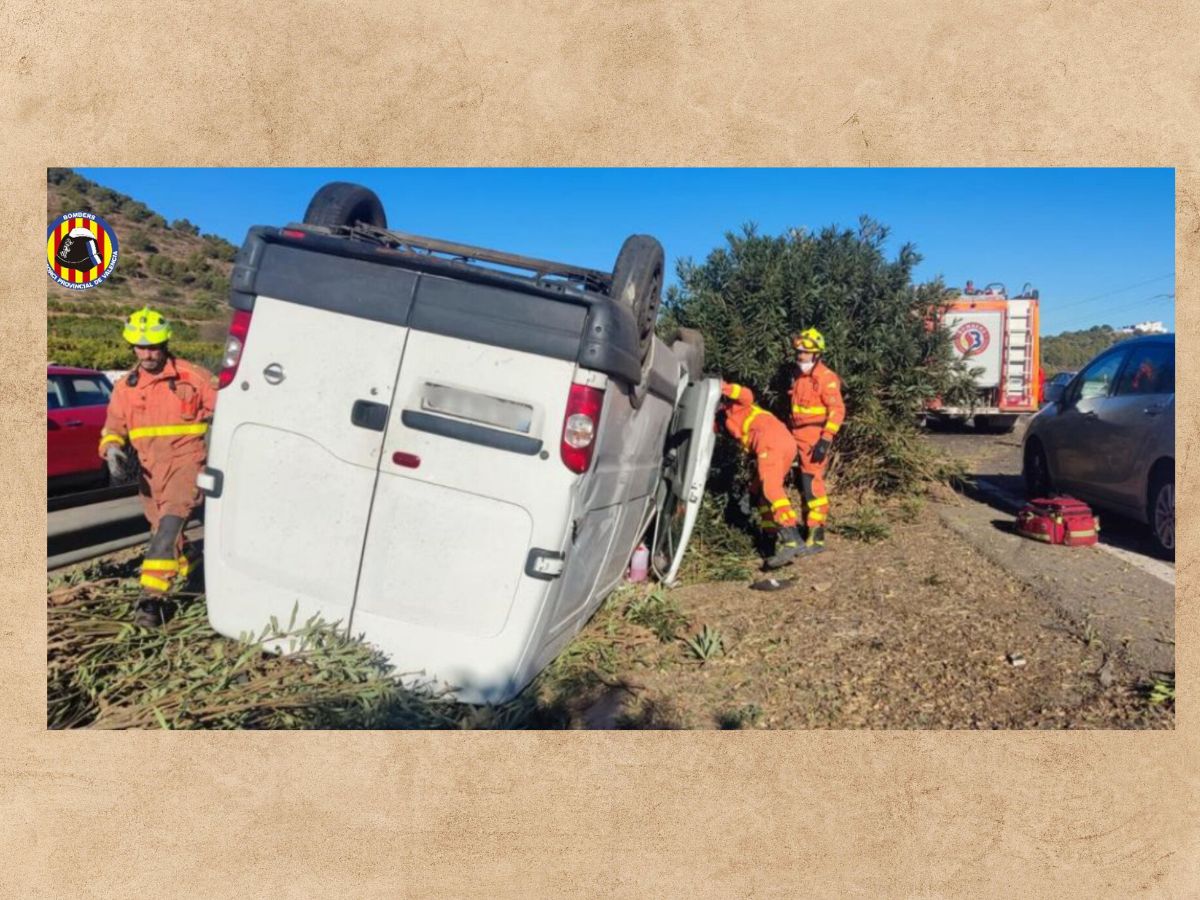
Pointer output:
x,y
76,401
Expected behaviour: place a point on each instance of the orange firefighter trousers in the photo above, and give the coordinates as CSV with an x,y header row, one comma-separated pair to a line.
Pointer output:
x,y
770,443
812,476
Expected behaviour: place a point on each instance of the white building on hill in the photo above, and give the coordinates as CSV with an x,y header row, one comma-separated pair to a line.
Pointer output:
x,y
1144,328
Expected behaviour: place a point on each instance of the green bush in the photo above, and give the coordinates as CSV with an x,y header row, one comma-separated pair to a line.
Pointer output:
x,y
219,248
750,296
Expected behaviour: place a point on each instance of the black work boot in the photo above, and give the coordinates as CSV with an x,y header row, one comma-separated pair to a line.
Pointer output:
x,y
815,543
787,549
152,611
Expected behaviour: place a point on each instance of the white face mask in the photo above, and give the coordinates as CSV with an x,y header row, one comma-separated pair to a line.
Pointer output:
x,y
807,367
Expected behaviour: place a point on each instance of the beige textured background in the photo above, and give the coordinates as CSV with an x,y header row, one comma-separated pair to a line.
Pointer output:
x,y
703,83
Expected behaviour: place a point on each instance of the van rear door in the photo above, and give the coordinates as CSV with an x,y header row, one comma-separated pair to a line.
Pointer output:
x,y
473,496
297,438
689,452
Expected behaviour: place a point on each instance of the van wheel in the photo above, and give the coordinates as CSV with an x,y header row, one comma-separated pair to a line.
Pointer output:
x,y
340,203
637,282
1036,472
689,347
1162,514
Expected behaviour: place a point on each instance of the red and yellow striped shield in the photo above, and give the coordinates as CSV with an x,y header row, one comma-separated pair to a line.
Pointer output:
x,y
81,250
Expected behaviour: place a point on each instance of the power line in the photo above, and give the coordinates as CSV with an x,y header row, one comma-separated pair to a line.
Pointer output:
x,y
1107,310
1110,293
1129,304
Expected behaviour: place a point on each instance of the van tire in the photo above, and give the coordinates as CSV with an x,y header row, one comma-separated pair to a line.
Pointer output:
x,y
689,347
341,203
637,282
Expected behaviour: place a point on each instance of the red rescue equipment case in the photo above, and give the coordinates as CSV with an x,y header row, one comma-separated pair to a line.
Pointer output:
x,y
1059,520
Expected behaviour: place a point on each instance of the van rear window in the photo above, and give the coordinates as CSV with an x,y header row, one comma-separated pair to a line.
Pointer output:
x,y
474,407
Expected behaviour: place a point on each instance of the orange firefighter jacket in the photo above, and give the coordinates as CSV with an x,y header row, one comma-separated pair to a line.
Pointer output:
x,y
751,425
164,416
817,400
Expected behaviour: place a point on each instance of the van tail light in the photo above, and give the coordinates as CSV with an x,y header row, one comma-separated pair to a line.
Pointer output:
x,y
581,425
235,343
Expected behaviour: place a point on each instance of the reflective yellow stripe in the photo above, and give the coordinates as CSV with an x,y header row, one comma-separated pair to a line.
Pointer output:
x,y
735,391
755,412
816,517
832,427
167,430
1088,533
160,565
809,410
778,503
111,439
157,583
818,501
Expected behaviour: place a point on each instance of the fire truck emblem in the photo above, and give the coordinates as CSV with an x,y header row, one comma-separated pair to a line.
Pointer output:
x,y
81,250
971,339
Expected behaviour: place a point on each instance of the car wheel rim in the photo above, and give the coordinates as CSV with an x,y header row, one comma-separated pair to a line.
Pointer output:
x,y
1164,516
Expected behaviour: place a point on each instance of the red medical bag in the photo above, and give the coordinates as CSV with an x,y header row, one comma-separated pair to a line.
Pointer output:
x,y
1059,520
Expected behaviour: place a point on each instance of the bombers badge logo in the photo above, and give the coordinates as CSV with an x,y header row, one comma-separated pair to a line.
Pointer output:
x,y
81,250
971,339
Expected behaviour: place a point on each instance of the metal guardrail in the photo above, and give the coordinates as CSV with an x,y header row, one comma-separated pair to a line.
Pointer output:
x,y
86,531
86,498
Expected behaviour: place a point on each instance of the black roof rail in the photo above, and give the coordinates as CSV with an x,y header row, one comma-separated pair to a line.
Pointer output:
x,y
450,251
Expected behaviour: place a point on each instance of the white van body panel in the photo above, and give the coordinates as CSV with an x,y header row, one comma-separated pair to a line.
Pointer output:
x,y
290,459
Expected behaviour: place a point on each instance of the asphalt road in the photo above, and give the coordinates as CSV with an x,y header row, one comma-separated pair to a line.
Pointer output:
x,y
1119,590
994,462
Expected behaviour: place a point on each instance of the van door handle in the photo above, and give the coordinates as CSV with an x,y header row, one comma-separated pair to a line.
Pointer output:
x,y
366,414
1152,410
73,423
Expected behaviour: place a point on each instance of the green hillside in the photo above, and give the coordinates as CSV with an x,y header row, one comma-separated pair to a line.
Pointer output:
x,y
167,265
1070,350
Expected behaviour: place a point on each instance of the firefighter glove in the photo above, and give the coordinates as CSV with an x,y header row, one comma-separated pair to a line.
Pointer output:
x,y
820,450
117,461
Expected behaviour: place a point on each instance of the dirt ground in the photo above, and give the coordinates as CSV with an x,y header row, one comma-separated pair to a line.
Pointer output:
x,y
920,630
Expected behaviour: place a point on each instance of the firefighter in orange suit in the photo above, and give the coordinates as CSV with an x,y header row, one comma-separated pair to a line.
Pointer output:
x,y
161,409
817,415
774,451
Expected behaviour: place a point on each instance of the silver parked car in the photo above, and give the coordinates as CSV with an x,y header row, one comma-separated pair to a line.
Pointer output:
x,y
1110,438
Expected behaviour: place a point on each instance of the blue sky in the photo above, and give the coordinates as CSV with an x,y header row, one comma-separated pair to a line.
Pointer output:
x,y
1099,244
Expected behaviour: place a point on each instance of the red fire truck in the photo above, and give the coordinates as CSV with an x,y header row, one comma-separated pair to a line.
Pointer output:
x,y
998,336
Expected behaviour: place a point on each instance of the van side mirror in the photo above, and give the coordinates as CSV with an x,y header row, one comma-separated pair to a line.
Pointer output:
x,y
1054,392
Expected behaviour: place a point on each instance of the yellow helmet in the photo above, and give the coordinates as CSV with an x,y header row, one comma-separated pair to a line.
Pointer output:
x,y
810,340
147,328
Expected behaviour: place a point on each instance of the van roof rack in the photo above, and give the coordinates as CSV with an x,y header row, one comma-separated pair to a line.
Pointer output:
x,y
543,271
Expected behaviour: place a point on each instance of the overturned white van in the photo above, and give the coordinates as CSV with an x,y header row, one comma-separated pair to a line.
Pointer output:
x,y
452,451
